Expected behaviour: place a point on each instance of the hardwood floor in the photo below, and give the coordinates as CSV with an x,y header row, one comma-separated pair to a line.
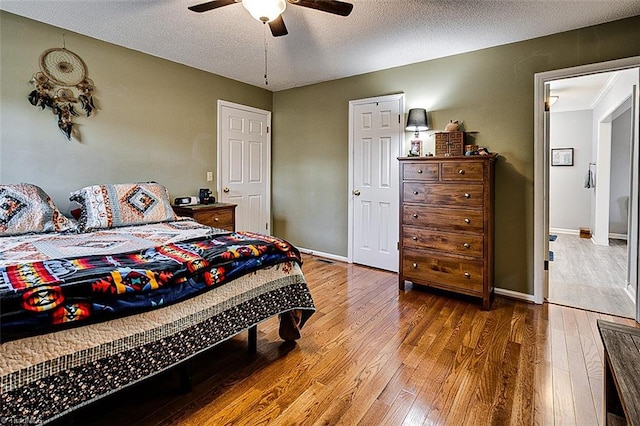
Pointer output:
x,y
371,355
588,276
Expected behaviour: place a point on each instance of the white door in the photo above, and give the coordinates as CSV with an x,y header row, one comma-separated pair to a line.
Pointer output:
x,y
375,139
244,164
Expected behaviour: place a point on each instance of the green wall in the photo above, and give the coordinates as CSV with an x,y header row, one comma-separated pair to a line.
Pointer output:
x,y
490,90
156,119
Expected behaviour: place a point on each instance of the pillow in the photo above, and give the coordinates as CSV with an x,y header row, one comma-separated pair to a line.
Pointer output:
x,y
26,208
123,204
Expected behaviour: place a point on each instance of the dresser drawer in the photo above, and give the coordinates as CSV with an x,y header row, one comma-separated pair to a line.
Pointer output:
x,y
442,271
464,171
463,244
443,219
467,195
420,171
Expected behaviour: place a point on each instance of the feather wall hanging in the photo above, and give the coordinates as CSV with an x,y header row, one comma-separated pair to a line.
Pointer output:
x,y
61,71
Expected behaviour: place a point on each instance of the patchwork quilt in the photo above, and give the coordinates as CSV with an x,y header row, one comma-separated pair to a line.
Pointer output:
x,y
57,288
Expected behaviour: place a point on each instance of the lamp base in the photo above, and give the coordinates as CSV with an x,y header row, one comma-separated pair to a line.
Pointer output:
x,y
416,148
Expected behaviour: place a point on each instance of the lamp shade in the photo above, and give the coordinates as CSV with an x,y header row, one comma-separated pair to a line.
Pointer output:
x,y
265,10
417,120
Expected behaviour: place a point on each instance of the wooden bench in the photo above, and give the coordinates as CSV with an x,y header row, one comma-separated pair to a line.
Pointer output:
x,y
621,373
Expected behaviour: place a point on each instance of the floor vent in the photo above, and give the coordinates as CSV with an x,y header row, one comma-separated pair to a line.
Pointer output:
x,y
325,261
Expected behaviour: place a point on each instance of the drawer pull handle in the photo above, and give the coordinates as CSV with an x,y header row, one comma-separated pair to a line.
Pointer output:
x,y
460,172
415,192
419,171
468,275
415,215
216,219
415,238
467,195
466,245
467,220
415,266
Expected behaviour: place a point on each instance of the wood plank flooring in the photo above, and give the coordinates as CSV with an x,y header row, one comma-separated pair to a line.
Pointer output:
x,y
588,276
371,355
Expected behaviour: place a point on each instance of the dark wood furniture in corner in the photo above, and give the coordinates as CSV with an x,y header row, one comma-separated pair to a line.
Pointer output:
x,y
621,373
218,215
446,224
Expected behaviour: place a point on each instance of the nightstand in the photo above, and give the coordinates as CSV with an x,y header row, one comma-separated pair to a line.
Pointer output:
x,y
218,215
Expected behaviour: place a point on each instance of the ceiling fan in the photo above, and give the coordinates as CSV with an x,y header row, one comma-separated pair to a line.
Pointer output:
x,y
270,11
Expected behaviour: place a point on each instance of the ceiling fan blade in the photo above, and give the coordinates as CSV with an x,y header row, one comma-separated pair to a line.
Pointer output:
x,y
278,28
331,6
210,5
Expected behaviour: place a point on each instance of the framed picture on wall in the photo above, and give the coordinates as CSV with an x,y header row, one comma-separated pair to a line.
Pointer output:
x,y
562,156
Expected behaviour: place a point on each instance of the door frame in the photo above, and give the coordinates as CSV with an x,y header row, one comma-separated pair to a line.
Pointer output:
x,y
399,97
541,164
222,104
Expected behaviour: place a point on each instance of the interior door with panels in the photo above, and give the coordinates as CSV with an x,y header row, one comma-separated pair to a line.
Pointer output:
x,y
376,146
244,164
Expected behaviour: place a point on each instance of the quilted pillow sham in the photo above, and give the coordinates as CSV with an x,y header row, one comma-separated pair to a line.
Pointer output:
x,y
123,204
27,209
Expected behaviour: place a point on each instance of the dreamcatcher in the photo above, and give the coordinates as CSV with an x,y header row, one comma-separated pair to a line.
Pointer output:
x,y
60,71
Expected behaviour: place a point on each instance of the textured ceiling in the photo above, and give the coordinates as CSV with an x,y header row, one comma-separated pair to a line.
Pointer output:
x,y
378,34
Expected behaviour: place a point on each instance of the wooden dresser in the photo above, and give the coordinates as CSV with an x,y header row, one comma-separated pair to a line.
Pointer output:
x,y
446,224
218,215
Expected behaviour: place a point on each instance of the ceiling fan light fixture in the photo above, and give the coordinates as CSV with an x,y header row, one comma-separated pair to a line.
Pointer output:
x,y
265,10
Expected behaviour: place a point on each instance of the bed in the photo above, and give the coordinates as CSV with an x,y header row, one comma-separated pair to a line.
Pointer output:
x,y
126,292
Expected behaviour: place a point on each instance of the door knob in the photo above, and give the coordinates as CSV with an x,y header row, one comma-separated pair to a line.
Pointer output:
x,y
356,192
225,190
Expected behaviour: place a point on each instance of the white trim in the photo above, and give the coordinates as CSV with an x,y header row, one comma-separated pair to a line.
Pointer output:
x,y
513,294
352,104
564,231
325,255
540,159
221,104
615,236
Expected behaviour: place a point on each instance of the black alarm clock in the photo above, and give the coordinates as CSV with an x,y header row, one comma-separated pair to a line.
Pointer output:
x,y
181,201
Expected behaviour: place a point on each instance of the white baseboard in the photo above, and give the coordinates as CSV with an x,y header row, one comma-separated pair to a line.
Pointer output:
x,y
564,231
514,294
325,255
618,236
577,232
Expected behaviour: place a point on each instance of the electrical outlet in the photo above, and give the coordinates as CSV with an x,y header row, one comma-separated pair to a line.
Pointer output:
x,y
209,176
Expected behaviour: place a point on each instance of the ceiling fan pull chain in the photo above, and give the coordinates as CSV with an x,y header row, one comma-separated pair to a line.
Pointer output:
x,y
266,81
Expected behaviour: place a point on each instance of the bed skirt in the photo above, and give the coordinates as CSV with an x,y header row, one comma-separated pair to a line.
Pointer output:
x,y
45,377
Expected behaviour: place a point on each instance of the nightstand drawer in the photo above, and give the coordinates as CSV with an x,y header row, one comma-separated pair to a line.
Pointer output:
x,y
420,171
463,244
443,219
442,270
465,171
218,219
218,215
469,195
